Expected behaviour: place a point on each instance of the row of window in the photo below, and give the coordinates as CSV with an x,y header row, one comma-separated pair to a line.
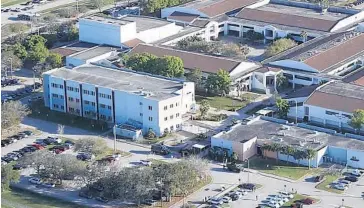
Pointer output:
x,y
71,99
170,106
102,95
57,96
331,113
105,106
57,85
88,92
55,106
104,117
74,89
171,117
88,103
73,110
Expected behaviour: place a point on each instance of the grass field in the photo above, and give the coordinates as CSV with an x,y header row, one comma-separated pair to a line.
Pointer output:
x,y
5,3
325,184
224,103
20,198
280,168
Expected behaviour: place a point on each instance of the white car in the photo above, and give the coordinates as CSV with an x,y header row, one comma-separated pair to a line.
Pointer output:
x,y
146,162
216,201
341,186
35,181
283,198
286,194
356,173
226,199
345,182
275,200
49,185
272,204
241,192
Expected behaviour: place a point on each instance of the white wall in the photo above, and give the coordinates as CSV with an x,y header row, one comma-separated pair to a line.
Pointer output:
x,y
243,66
300,109
127,32
172,114
158,33
347,21
357,154
99,32
321,113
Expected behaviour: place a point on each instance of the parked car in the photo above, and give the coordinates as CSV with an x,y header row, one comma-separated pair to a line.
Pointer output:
x,y
249,186
273,204
35,181
275,200
307,201
340,186
160,149
283,198
226,199
17,166
102,199
149,202
38,146
215,201
356,173
319,178
49,185
69,142
287,194
28,133
345,182
85,156
351,178
146,162
235,197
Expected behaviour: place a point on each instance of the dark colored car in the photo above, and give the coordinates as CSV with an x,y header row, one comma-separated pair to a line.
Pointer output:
x,y
234,197
160,149
319,178
28,133
17,166
84,156
351,178
69,142
249,186
102,199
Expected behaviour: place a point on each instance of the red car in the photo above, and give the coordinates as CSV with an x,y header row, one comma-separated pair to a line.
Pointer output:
x,y
58,151
307,201
38,146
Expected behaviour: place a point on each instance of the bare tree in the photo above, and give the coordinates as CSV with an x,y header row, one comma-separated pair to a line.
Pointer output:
x,y
38,160
90,145
12,113
60,129
91,174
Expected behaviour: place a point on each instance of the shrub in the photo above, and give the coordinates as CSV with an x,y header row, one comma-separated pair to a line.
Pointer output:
x,y
279,46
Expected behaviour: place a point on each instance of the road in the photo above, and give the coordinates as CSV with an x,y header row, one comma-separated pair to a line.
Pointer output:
x,y
11,17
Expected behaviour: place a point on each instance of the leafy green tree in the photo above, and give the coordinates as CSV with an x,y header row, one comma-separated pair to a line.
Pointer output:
x,y
283,107
91,145
38,53
12,113
20,51
254,36
195,76
171,66
282,81
204,108
289,151
279,46
310,154
211,83
142,62
9,59
223,81
38,160
55,60
8,175
33,41
357,120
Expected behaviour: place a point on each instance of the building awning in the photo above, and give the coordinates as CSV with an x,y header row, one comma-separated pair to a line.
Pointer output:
x,y
264,111
199,146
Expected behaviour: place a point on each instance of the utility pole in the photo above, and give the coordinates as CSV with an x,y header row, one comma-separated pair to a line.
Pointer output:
x,y
114,138
11,67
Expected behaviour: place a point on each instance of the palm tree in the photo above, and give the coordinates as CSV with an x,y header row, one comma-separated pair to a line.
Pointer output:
x,y
289,151
303,35
310,154
264,148
275,147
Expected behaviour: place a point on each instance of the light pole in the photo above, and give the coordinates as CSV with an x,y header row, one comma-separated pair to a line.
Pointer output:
x,y
285,187
11,67
114,130
342,202
248,170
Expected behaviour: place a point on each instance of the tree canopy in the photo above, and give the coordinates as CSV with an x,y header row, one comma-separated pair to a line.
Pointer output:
x,y
8,175
219,83
91,145
12,113
279,46
283,107
169,66
357,120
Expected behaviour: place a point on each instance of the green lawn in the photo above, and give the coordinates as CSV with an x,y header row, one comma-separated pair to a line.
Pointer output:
x,y
297,197
280,168
22,198
5,3
225,103
39,111
325,184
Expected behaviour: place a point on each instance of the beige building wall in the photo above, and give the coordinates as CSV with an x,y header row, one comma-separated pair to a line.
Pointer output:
x,y
270,154
245,150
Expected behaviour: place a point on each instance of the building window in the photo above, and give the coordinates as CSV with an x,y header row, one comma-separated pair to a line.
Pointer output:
x,y
92,93
78,111
222,25
303,78
140,103
109,107
171,117
177,115
55,95
102,95
87,102
62,107
233,25
77,100
165,107
109,118
85,92
55,106
177,125
61,96
172,128
61,86
165,118
93,103
150,118
176,104
77,90
150,107
141,114
70,99
347,116
70,88
171,106
71,110
331,113
103,117
102,106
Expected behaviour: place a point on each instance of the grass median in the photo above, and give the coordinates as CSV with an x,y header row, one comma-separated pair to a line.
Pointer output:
x,y
326,184
226,103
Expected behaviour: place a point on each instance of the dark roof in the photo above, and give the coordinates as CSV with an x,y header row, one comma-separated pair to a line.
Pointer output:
x,y
224,6
133,42
63,51
265,69
286,19
338,96
356,77
336,54
302,92
181,16
207,64
200,22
